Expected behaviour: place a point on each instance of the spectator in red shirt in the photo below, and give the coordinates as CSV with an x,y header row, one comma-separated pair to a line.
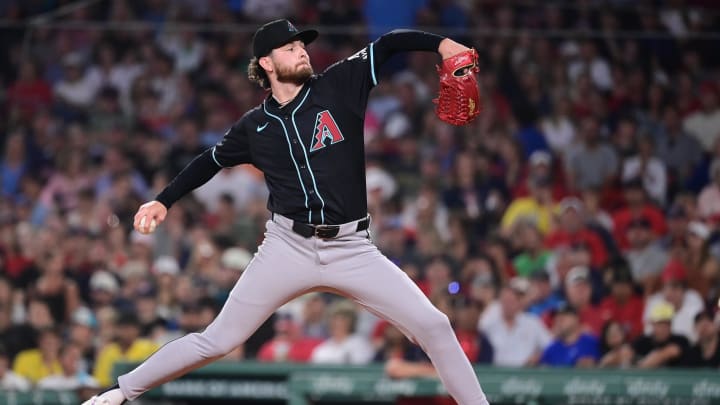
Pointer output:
x,y
474,343
623,305
288,343
636,206
578,291
573,231
29,93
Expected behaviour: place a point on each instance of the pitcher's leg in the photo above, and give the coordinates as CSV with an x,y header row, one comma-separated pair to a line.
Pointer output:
x,y
375,282
274,276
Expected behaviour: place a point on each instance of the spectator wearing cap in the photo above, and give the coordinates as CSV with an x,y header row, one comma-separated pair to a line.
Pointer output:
x,y
636,206
592,163
537,207
706,352
36,364
677,223
686,302
232,263
623,305
704,125
288,344
166,270
518,338
573,232
542,298
128,346
578,293
104,288
142,247
647,166
82,333
72,376
540,165
134,275
703,267
709,198
9,380
662,347
644,255
75,91
572,347
533,255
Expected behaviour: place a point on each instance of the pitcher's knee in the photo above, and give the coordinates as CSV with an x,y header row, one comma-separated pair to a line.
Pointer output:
x,y
435,322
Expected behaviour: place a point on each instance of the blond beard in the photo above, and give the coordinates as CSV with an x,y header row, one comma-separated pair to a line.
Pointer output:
x,y
297,75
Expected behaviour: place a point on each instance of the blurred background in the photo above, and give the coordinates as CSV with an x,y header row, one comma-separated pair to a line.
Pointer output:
x,y
573,224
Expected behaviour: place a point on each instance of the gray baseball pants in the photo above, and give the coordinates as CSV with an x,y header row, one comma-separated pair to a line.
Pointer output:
x,y
288,265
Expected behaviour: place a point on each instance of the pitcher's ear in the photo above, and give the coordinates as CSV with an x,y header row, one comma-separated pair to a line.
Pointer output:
x,y
266,63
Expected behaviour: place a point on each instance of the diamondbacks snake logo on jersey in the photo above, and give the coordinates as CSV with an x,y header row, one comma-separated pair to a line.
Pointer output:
x,y
325,128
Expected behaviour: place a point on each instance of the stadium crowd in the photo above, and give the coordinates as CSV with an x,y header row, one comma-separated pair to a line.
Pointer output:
x,y
575,223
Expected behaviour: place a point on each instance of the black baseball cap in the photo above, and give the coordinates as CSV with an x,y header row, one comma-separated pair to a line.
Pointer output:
x,y
278,33
565,308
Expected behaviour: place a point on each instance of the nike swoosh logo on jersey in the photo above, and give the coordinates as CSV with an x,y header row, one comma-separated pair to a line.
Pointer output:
x,y
261,127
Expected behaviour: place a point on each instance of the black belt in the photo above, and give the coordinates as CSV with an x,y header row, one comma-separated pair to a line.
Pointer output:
x,y
325,231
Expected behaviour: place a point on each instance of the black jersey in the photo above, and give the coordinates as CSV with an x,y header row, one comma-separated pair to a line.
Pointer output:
x,y
311,150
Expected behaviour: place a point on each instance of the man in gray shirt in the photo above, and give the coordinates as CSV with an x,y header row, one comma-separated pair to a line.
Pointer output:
x,y
678,150
646,258
593,163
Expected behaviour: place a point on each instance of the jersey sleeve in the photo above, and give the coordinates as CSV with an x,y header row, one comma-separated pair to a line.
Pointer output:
x,y
356,75
234,148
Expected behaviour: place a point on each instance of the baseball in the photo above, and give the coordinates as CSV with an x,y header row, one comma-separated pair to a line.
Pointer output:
x,y
150,228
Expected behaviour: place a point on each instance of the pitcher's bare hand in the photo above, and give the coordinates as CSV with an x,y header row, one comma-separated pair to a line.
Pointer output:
x,y
149,216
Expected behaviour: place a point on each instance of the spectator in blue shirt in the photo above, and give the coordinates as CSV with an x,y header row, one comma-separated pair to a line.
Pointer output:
x,y
572,347
543,298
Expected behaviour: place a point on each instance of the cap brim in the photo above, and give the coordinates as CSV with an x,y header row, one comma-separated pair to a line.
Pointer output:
x,y
307,36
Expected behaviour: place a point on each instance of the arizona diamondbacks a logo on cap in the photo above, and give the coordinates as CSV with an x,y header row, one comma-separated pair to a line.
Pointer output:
x,y
291,27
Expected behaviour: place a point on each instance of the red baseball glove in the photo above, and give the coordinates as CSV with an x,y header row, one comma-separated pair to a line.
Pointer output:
x,y
458,101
